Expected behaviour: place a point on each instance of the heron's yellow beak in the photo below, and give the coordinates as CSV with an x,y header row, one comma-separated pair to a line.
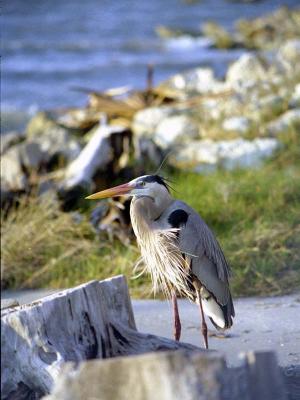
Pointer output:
x,y
115,191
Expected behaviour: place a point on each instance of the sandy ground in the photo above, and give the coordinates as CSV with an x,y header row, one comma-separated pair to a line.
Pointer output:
x,y
271,323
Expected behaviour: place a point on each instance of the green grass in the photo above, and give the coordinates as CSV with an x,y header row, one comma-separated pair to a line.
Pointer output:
x,y
255,215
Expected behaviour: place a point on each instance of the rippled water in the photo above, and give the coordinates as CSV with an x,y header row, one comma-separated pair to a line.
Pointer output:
x,y
50,47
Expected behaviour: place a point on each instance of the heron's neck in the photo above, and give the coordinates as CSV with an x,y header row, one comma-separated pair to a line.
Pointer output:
x,y
144,211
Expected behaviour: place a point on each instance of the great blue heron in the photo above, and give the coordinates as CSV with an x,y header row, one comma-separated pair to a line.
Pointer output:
x,y
179,250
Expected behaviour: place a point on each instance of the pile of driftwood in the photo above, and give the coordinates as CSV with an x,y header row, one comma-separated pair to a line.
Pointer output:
x,y
72,345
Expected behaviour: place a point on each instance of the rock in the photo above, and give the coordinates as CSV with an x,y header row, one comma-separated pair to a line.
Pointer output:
x,y
146,121
289,54
246,71
175,129
246,154
9,303
52,141
60,145
206,155
268,107
219,36
12,175
9,139
295,99
197,80
32,155
41,124
94,320
286,122
239,125
146,149
271,30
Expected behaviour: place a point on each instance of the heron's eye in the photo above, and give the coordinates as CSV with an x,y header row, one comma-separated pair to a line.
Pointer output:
x,y
142,183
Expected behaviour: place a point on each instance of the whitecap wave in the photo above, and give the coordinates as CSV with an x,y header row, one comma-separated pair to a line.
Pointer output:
x,y
187,42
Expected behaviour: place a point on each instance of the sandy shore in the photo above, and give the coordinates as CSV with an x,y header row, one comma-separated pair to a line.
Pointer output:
x,y
260,324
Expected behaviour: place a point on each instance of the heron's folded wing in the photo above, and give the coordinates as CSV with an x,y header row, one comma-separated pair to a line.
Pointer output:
x,y
208,262
196,239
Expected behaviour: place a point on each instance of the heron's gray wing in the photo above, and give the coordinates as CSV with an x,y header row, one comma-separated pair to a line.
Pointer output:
x,y
196,240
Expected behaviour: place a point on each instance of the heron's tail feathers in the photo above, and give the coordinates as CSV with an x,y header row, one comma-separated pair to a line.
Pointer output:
x,y
220,316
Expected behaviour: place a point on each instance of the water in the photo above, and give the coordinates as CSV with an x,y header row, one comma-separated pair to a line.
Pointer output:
x,y
51,47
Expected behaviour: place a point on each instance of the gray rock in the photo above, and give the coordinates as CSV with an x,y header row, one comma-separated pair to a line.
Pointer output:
x,y
32,155
58,142
269,106
9,139
246,71
239,125
12,175
289,54
146,121
50,140
287,121
9,303
295,99
175,129
206,155
199,80
40,124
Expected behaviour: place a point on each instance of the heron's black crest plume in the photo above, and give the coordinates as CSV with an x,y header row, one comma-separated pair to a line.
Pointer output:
x,y
158,179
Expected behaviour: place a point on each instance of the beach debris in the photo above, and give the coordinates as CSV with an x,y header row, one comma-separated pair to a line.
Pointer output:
x,y
102,152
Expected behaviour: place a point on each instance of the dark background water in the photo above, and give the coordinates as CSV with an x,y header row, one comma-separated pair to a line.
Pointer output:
x,y
49,47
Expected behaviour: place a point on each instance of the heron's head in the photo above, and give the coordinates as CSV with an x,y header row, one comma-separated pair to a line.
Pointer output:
x,y
153,186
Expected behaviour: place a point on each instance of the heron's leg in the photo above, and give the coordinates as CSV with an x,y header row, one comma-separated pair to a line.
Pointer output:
x,y
177,323
203,326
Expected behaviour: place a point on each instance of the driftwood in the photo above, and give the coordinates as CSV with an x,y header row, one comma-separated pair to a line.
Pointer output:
x,y
96,155
94,320
72,344
178,375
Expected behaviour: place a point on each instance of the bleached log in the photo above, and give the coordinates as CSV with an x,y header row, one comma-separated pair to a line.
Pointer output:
x,y
94,320
172,376
96,155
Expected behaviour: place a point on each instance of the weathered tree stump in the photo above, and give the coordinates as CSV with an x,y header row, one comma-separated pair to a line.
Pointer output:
x,y
177,375
94,320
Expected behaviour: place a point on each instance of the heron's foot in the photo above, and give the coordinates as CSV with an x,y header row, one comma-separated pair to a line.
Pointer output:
x,y
177,329
204,333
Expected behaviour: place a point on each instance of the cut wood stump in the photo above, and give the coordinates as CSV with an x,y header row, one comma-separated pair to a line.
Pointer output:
x,y
94,320
71,345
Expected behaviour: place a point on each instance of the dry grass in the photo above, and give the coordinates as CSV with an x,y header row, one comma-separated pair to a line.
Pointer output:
x,y
36,237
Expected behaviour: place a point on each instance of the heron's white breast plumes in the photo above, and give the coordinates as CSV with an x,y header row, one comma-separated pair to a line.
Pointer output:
x,y
163,260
